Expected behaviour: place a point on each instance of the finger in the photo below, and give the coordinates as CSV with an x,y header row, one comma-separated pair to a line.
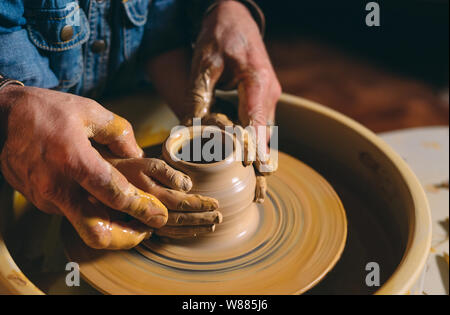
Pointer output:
x,y
109,186
176,200
126,235
179,232
194,218
260,189
138,172
92,222
248,147
166,175
115,132
154,169
259,92
207,68
252,102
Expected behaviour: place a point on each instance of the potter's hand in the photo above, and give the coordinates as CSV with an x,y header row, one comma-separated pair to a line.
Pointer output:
x,y
189,214
48,157
230,52
222,121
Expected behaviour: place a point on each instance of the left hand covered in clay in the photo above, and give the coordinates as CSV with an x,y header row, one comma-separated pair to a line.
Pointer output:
x,y
189,214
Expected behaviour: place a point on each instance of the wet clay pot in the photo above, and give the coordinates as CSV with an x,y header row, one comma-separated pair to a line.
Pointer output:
x,y
228,181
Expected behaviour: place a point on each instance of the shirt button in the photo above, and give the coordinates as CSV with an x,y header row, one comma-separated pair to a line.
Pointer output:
x,y
66,33
98,46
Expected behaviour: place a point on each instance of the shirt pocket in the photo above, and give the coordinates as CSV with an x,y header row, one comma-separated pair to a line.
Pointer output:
x,y
59,34
136,12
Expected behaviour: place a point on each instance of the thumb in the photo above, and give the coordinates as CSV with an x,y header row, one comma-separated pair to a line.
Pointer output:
x,y
109,129
206,71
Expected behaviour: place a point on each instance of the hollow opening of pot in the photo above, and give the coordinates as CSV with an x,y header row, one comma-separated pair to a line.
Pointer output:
x,y
206,148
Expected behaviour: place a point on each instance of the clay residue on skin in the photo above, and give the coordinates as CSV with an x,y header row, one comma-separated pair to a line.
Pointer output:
x,y
196,218
117,127
115,131
96,227
177,180
123,237
185,231
150,175
198,202
261,189
202,94
140,204
183,258
207,67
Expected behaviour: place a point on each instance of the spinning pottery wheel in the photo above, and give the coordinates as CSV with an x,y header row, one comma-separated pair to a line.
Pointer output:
x,y
387,211
288,245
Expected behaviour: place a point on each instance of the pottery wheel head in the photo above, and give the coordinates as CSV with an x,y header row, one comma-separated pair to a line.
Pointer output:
x,y
298,235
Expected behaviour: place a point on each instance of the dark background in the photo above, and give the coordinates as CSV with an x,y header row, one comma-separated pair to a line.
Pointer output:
x,y
388,77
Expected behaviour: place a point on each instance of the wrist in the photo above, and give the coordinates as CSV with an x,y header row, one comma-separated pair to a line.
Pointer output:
x,y
8,94
6,85
201,9
254,10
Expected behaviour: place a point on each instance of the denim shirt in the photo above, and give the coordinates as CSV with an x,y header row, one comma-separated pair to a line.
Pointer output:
x,y
86,46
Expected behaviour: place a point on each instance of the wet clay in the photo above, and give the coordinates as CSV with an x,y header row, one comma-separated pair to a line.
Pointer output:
x,y
286,246
228,181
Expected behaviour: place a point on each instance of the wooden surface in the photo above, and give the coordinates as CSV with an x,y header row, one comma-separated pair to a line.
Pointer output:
x,y
377,97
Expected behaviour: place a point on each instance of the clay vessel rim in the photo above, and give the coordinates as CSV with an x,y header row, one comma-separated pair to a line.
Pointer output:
x,y
173,143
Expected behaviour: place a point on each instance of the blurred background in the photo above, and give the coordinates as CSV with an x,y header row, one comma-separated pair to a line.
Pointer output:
x,y
389,77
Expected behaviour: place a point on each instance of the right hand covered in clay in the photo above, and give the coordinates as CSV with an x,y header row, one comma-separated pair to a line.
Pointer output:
x,y
189,214
48,156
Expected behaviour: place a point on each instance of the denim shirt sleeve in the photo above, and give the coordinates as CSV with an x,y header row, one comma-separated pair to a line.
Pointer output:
x,y
19,58
167,27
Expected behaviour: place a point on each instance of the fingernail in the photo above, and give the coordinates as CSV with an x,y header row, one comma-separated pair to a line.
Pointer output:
x,y
140,152
186,183
209,203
